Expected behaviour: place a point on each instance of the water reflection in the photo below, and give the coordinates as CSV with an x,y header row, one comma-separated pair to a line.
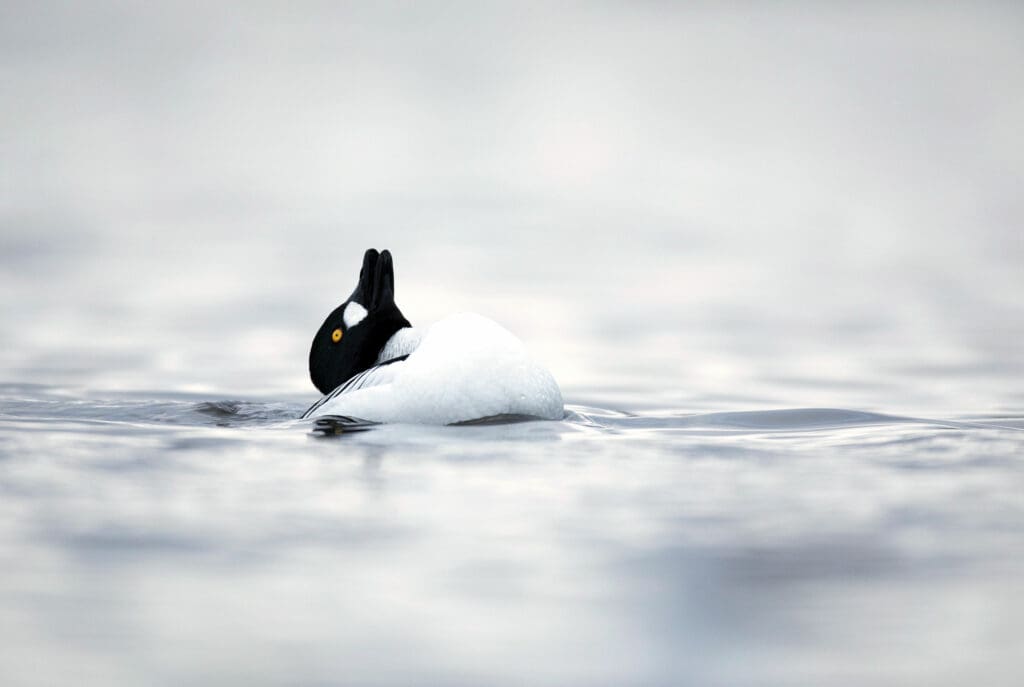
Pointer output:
x,y
561,553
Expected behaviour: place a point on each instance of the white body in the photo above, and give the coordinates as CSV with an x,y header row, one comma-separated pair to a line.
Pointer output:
x,y
464,367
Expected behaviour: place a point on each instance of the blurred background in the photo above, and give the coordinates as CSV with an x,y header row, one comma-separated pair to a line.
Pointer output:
x,y
690,205
687,210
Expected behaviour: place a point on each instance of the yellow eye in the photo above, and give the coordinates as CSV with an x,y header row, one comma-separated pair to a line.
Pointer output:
x,y
336,335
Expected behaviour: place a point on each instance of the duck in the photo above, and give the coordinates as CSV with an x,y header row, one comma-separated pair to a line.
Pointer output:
x,y
373,366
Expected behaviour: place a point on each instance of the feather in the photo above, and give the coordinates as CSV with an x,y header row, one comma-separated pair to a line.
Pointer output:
x,y
378,375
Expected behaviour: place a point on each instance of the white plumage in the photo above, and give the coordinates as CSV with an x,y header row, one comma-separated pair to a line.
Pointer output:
x,y
464,367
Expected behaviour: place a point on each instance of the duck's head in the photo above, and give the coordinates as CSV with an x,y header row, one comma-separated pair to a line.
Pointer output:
x,y
352,336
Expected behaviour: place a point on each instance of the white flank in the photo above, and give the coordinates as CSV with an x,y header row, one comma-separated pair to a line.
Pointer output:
x,y
464,367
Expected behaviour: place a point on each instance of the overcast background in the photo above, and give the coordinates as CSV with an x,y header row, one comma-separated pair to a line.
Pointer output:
x,y
809,203
741,222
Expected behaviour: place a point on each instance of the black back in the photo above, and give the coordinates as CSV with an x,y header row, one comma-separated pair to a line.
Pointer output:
x,y
332,363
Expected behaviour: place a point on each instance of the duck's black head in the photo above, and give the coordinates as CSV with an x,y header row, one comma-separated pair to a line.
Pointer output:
x,y
353,335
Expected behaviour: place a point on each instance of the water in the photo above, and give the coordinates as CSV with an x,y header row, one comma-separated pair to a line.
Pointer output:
x,y
772,254
177,539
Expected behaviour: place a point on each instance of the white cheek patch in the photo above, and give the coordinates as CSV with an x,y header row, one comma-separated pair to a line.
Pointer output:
x,y
354,314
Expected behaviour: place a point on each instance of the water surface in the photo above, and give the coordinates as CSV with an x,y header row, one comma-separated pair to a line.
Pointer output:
x,y
772,253
175,539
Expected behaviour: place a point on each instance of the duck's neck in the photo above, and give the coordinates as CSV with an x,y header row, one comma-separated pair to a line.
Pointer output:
x,y
402,342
